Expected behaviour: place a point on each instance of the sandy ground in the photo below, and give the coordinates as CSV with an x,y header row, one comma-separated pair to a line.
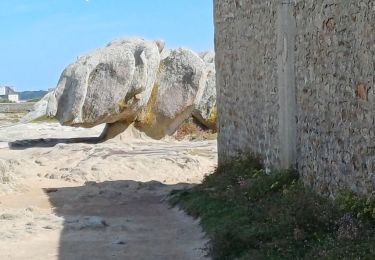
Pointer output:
x,y
10,118
65,197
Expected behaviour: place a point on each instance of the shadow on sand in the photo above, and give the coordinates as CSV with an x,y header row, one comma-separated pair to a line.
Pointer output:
x,y
124,220
50,142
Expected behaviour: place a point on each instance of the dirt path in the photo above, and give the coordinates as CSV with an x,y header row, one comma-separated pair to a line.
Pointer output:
x,y
98,201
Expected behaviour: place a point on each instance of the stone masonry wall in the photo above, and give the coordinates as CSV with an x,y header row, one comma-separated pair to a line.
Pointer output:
x,y
335,75
247,93
295,83
16,107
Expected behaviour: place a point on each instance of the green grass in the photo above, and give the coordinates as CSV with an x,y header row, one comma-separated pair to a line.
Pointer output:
x,y
5,101
45,119
250,215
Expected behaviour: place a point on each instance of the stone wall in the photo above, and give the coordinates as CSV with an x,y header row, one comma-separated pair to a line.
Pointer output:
x,y
296,86
335,74
16,107
246,92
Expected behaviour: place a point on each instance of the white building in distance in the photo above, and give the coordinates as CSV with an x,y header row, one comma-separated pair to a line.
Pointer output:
x,y
8,93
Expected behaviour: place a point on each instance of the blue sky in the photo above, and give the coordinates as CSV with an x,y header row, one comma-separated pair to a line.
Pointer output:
x,y
39,38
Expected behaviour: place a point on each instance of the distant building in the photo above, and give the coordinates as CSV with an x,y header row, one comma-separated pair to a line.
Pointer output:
x,y
9,93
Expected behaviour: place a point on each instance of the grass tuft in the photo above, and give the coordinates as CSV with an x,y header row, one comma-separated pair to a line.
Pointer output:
x,y
45,119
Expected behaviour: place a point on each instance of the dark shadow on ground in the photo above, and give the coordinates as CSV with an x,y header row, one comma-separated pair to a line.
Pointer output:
x,y
124,220
50,142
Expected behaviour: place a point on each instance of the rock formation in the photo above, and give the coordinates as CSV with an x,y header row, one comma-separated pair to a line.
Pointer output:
x,y
205,110
180,82
39,109
208,56
136,81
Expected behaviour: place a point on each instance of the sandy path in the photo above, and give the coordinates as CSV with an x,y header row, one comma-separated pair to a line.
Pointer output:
x,y
97,201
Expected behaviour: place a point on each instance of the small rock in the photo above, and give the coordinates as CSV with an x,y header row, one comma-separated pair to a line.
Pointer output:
x,y
50,190
119,242
53,176
7,216
94,222
49,227
39,162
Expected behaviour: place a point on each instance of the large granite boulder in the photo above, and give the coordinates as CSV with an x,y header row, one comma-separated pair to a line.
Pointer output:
x,y
108,85
206,111
180,83
136,81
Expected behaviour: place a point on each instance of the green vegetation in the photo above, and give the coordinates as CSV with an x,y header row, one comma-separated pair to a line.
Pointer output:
x,y
248,214
4,101
34,100
28,95
45,119
360,207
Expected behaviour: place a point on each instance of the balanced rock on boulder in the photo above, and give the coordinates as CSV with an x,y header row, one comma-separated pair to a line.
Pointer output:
x,y
136,81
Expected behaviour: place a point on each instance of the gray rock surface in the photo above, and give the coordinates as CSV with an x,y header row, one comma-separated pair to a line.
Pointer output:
x,y
39,109
51,105
206,111
208,56
180,82
109,84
